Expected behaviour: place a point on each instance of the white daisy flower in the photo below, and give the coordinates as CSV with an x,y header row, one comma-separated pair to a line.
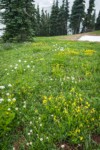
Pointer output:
x,y
2,87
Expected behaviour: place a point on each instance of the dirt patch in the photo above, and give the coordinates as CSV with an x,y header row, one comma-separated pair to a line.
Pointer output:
x,y
96,138
67,146
76,36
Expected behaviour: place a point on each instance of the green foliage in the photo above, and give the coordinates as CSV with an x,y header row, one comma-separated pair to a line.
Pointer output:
x,y
19,18
77,15
98,22
89,21
52,90
7,114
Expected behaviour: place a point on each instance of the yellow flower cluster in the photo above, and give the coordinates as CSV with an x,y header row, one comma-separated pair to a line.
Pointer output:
x,y
89,52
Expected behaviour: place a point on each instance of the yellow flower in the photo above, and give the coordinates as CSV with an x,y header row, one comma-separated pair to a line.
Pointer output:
x,y
81,138
44,101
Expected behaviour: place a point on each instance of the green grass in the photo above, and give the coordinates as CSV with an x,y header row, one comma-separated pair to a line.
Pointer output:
x,y
96,32
49,94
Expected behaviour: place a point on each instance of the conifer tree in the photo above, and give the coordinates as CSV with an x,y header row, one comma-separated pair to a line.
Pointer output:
x,y
97,26
62,19
44,23
38,21
53,19
19,18
77,15
88,23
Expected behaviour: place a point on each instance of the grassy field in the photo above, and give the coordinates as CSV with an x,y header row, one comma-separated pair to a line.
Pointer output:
x,y
49,95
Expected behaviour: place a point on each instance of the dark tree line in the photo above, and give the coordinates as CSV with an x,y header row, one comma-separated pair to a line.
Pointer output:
x,y
23,20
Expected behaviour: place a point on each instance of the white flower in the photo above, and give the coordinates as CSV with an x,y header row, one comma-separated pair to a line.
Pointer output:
x,y
15,67
14,148
7,94
14,99
11,66
31,131
6,69
1,100
28,66
9,85
41,139
40,125
31,61
19,60
9,100
31,122
9,109
30,143
72,78
12,70
47,138
2,87
7,74
24,106
63,146
27,144
16,108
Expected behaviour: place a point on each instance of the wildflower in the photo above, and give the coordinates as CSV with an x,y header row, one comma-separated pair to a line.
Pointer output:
x,y
7,74
40,125
63,146
81,138
16,108
30,143
9,109
2,87
7,94
13,148
29,133
9,100
47,138
27,144
25,61
11,66
24,106
28,66
15,67
14,99
41,139
19,60
31,122
6,69
1,100
9,85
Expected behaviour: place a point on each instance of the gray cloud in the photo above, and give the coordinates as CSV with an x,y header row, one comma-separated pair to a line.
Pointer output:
x,y
48,3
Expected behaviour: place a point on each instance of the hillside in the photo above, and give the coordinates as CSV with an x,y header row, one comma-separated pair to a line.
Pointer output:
x,y
49,95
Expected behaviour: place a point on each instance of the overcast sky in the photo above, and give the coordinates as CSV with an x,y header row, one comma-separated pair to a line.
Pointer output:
x,y
48,3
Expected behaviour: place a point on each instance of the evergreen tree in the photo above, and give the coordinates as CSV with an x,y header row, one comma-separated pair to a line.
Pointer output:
x,y
62,19
19,18
44,24
97,26
88,24
38,21
66,16
77,15
54,19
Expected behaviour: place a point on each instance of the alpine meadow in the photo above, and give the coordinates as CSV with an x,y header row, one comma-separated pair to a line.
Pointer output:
x,y
49,80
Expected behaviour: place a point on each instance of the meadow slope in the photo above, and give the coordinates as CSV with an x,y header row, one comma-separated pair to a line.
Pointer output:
x,y
49,95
